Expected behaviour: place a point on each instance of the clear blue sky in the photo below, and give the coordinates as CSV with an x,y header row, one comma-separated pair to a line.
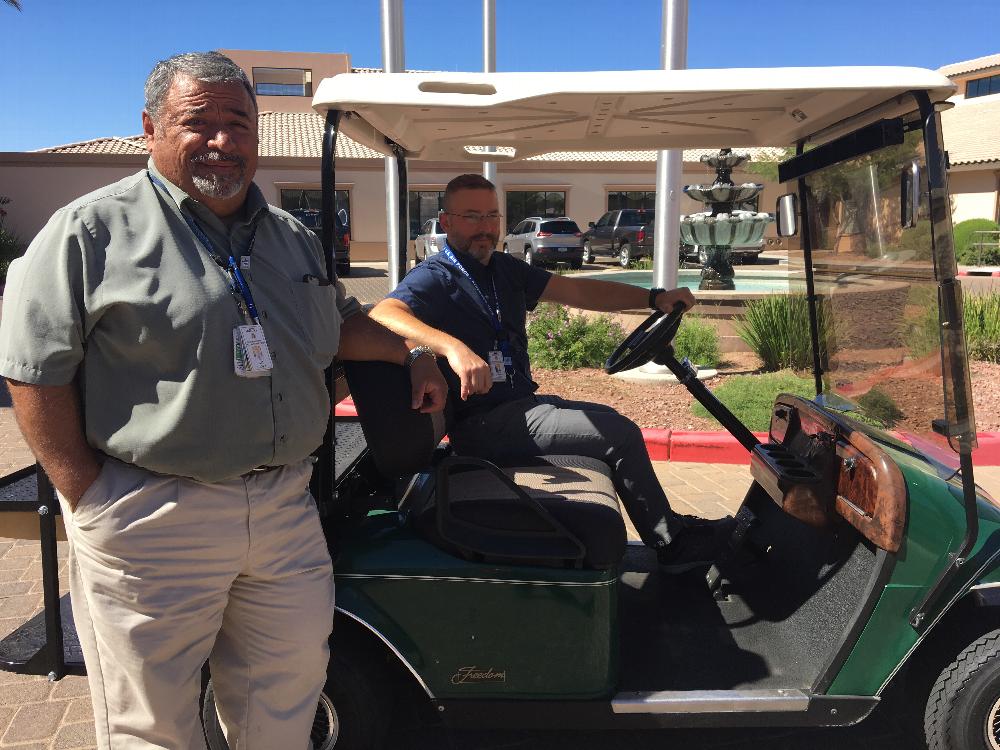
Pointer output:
x,y
74,70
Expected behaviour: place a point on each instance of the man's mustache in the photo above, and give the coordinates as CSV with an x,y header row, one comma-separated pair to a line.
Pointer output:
x,y
218,156
485,236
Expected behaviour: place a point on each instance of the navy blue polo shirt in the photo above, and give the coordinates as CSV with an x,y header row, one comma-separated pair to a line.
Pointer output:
x,y
441,296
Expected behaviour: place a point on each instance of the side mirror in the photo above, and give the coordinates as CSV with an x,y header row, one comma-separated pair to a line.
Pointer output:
x,y
909,195
590,224
787,210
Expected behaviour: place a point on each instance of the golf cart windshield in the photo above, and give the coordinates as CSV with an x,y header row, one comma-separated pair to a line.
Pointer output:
x,y
885,357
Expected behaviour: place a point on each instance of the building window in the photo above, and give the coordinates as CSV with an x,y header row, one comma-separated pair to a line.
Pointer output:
x,y
424,205
982,86
644,199
524,203
282,82
306,206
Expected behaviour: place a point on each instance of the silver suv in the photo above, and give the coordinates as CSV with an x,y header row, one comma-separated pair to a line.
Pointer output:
x,y
546,240
429,241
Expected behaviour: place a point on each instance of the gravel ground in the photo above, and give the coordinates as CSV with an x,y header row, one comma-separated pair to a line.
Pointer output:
x,y
669,406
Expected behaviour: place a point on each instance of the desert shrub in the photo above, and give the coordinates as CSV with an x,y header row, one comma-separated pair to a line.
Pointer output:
x,y
878,405
558,340
750,397
697,340
981,320
777,329
982,326
965,253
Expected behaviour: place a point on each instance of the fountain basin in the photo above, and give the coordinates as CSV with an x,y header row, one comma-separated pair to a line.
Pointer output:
x,y
737,228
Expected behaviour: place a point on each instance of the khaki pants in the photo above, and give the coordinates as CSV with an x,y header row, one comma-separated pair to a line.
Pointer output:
x,y
166,572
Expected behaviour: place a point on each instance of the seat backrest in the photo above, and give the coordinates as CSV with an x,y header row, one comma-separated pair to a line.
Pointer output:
x,y
402,440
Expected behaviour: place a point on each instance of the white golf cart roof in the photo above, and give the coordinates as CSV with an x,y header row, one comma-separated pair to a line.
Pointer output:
x,y
452,116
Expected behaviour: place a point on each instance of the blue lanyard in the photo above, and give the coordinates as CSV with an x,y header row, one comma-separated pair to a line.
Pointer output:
x,y
239,284
493,311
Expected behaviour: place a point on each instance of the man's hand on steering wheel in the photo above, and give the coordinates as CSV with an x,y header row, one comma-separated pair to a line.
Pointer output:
x,y
667,300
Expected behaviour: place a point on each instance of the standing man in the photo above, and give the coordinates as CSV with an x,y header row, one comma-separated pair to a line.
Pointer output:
x,y
164,340
469,304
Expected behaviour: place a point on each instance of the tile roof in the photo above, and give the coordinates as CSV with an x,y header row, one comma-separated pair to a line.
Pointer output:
x,y
133,144
970,66
972,131
300,134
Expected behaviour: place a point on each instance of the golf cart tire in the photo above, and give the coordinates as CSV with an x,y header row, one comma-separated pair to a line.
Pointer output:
x,y
965,699
355,697
344,269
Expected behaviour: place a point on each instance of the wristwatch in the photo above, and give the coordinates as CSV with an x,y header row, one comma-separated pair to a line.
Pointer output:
x,y
415,353
653,294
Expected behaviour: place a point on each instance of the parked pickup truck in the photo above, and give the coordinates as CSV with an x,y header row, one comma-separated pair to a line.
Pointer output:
x,y
624,235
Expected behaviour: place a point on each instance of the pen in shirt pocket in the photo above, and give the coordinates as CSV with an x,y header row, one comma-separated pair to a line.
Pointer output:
x,y
316,280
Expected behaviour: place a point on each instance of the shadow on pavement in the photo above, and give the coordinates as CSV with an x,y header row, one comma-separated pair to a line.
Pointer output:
x,y
366,272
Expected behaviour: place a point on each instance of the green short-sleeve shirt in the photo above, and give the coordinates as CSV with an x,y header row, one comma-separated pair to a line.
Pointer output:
x,y
116,289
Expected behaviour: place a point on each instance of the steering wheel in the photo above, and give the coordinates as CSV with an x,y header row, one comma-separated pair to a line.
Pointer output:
x,y
646,341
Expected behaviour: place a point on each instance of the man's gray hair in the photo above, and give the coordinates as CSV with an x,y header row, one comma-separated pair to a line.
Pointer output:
x,y
211,67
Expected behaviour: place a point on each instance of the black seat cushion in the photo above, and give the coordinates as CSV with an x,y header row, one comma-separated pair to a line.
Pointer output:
x,y
577,491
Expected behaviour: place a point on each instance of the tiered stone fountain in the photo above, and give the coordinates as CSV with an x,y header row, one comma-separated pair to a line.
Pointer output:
x,y
723,225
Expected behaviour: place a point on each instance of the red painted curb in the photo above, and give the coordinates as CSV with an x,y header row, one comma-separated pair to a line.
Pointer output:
x,y
988,452
657,443
709,447
721,447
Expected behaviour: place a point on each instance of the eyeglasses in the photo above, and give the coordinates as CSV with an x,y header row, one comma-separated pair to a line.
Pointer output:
x,y
490,218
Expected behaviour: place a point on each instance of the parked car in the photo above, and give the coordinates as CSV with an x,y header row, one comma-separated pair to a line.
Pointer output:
x,y
545,241
429,241
312,218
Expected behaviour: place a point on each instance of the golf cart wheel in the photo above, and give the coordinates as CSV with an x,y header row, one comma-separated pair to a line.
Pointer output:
x,y
529,257
351,714
344,268
588,253
963,710
625,255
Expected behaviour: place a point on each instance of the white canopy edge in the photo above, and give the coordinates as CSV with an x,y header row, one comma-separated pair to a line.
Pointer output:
x,y
453,116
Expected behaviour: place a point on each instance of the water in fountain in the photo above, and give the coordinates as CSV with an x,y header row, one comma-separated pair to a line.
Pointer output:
x,y
723,225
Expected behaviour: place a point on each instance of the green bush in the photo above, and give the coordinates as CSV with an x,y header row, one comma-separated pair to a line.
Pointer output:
x,y
11,246
558,340
698,341
750,397
777,329
968,255
982,326
878,405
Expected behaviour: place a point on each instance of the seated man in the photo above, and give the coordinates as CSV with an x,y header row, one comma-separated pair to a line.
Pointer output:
x,y
469,304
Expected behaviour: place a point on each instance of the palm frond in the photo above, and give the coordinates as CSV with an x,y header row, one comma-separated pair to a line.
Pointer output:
x,y
15,4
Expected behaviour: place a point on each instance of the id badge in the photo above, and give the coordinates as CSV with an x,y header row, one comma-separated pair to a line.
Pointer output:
x,y
251,356
497,371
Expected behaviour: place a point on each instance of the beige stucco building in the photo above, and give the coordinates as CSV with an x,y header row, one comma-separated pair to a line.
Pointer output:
x,y
972,138
579,185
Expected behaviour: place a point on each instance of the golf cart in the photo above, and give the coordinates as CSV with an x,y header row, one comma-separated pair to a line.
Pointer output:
x,y
864,558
